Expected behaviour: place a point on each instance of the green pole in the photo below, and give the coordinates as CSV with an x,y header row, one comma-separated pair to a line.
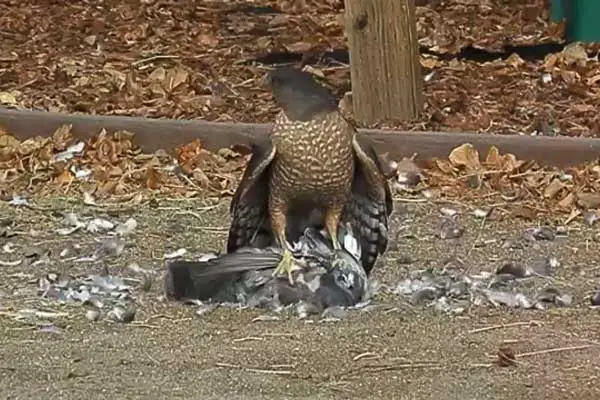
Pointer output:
x,y
558,10
582,18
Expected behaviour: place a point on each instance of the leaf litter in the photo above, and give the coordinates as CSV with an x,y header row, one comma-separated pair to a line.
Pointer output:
x,y
499,182
211,68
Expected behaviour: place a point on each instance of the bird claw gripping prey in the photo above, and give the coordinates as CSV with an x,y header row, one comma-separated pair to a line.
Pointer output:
x,y
286,266
324,277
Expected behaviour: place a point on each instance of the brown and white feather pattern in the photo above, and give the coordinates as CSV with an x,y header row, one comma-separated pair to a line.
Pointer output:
x,y
315,160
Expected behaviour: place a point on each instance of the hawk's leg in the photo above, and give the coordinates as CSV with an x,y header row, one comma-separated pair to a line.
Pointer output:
x,y
279,225
332,220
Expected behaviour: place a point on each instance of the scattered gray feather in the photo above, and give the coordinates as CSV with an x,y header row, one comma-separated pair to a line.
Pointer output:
x,y
204,309
98,225
590,217
450,229
92,315
122,314
595,299
126,228
511,285
112,247
540,233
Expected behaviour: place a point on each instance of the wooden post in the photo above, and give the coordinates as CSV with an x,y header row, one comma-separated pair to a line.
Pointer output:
x,y
384,60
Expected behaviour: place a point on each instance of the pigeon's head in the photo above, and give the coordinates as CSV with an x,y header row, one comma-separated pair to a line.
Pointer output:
x,y
345,283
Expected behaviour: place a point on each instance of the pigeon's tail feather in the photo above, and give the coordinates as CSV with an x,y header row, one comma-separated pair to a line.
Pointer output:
x,y
203,280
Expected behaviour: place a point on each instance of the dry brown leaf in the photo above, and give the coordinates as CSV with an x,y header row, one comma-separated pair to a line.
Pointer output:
x,y
465,156
570,77
62,136
90,39
228,153
65,177
503,162
133,88
114,171
117,78
444,166
524,212
208,40
200,177
188,151
593,80
264,42
456,65
550,62
107,188
120,188
588,200
429,62
9,98
567,202
158,75
152,178
493,158
30,146
553,188
174,78
574,53
514,60
9,146
583,108
137,198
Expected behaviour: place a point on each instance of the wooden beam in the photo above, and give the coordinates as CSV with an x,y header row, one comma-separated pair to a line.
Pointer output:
x,y
384,60
154,134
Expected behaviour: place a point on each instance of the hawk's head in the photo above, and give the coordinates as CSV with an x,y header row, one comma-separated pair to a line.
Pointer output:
x,y
299,95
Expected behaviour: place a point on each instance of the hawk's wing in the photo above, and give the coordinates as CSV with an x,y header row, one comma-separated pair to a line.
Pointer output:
x,y
249,205
371,204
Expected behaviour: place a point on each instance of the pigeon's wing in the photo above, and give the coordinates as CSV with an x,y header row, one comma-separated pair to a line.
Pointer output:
x,y
249,205
371,204
203,280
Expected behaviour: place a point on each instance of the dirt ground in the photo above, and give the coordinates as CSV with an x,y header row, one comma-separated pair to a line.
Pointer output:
x,y
395,351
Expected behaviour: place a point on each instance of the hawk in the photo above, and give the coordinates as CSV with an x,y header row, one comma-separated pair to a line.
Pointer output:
x,y
314,169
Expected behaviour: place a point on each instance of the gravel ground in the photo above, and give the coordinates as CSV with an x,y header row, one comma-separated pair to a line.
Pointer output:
x,y
396,350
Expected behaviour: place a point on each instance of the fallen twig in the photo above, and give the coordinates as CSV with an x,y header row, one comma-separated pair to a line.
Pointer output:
x,y
555,350
409,200
154,58
255,370
502,326
246,339
368,355
373,368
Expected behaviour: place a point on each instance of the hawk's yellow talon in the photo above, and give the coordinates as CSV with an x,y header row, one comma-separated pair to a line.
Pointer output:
x,y
286,265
